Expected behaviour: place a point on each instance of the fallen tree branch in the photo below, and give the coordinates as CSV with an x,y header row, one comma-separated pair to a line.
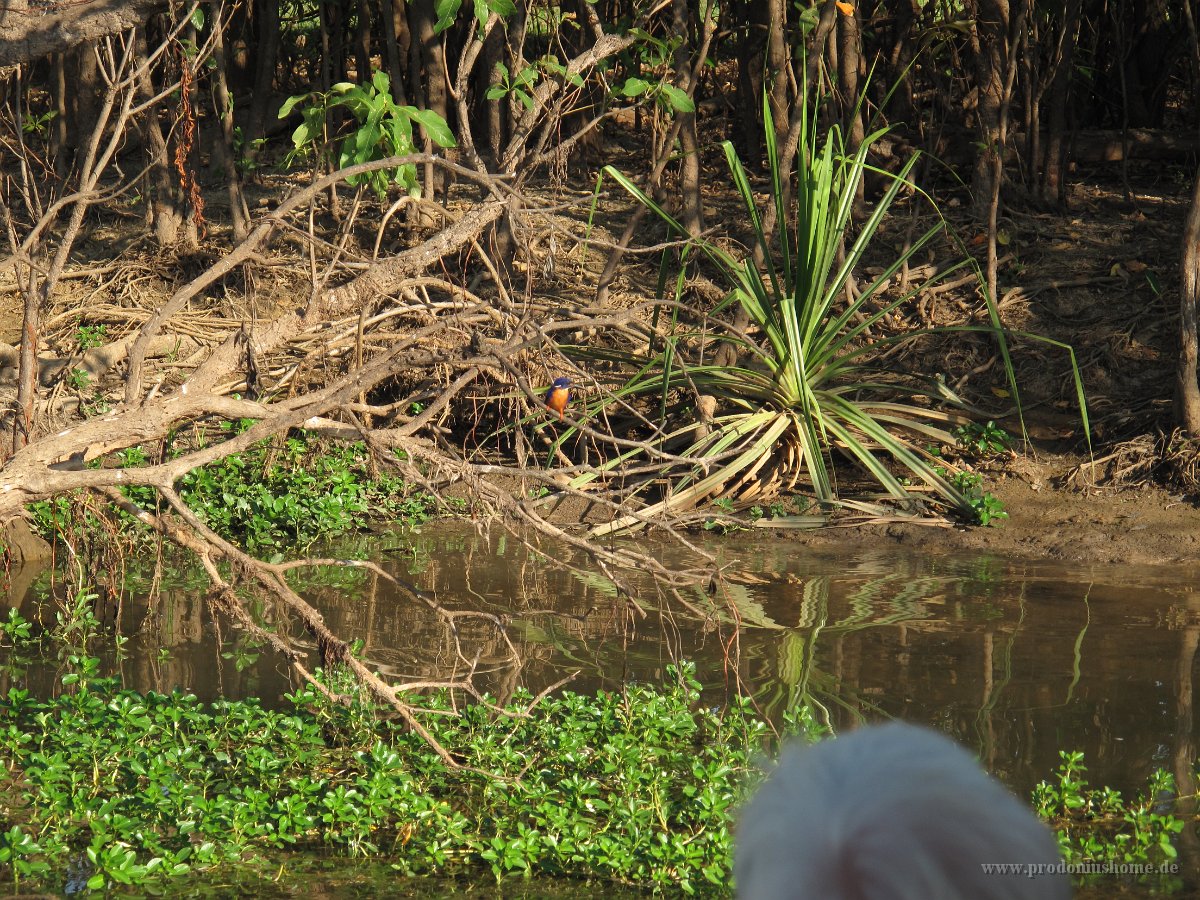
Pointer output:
x,y
29,33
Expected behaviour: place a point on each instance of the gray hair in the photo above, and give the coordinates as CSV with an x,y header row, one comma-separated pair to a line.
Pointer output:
x,y
895,812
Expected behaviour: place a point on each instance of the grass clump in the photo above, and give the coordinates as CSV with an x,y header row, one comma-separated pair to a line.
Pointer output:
x,y
815,385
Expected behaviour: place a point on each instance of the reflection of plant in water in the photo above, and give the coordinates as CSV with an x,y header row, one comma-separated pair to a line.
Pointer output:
x,y
982,612
982,574
18,645
801,682
422,550
796,680
739,599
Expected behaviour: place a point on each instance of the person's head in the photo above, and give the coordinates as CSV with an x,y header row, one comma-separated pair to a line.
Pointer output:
x,y
893,812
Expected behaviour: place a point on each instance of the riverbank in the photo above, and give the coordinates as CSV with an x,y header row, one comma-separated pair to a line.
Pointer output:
x,y
1143,524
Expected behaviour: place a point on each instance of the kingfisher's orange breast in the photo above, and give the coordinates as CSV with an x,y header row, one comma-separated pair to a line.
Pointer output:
x,y
557,400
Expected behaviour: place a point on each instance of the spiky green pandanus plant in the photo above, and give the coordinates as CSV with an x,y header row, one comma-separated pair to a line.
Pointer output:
x,y
811,386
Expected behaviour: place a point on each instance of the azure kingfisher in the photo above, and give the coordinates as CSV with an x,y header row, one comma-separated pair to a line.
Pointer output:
x,y
558,396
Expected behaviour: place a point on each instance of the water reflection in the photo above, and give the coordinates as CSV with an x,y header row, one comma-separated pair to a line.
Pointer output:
x,y
1017,660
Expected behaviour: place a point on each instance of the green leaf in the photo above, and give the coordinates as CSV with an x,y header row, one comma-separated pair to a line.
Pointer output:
x,y
679,100
366,141
527,76
408,180
302,136
435,126
446,11
358,101
809,19
400,129
634,87
290,103
502,8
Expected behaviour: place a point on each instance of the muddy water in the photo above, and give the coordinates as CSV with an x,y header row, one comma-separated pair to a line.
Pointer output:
x,y
1016,660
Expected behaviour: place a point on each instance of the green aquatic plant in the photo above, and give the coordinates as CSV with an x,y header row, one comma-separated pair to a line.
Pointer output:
x,y
1098,825
987,507
637,786
273,497
815,387
270,497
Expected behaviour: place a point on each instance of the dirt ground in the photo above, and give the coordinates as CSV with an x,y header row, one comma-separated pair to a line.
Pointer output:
x,y
1143,525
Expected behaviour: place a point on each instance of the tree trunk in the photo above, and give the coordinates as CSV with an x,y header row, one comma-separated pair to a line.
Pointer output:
x,y
514,58
750,83
689,142
335,40
494,117
996,159
164,209
904,37
1053,184
267,13
989,45
362,42
395,36
223,149
434,76
188,141
58,126
779,64
1031,98
57,27
849,62
27,381
416,85
1187,389
77,85
241,52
